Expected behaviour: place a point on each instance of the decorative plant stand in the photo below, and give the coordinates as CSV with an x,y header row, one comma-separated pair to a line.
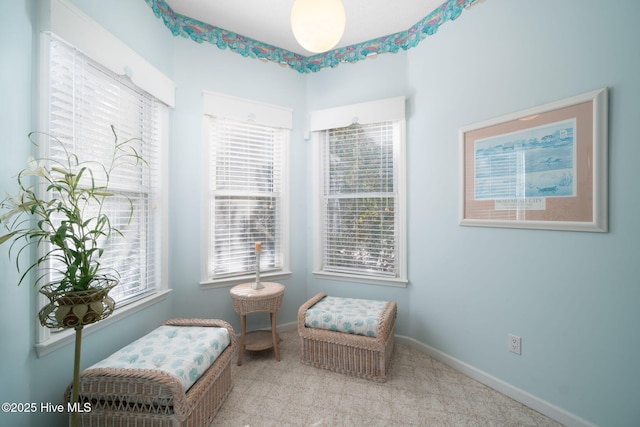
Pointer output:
x,y
75,309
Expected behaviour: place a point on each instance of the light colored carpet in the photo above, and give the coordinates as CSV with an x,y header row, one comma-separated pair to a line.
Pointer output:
x,y
420,391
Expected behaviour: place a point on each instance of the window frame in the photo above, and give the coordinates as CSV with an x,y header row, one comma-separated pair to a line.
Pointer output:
x,y
69,24
241,109
385,110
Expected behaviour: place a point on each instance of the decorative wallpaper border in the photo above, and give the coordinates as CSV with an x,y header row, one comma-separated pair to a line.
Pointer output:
x,y
200,32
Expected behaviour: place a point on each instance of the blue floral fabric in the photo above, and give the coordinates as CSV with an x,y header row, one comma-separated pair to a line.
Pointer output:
x,y
183,351
349,315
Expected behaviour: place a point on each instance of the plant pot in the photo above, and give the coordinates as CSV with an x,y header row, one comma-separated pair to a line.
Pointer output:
x,y
72,309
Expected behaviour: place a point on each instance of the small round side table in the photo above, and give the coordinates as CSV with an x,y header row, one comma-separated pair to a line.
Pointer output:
x,y
247,300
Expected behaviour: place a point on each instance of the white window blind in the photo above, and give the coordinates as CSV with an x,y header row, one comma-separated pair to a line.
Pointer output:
x,y
245,197
84,100
360,200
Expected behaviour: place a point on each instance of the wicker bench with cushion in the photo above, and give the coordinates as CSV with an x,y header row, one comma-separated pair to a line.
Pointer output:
x,y
348,335
177,375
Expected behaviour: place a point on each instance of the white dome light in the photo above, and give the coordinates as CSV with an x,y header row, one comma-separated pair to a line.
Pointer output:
x,y
318,25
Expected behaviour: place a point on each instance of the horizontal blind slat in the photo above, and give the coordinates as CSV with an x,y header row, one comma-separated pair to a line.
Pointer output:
x,y
359,193
246,186
85,100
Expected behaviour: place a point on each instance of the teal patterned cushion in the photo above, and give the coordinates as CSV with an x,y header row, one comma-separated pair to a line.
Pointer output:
x,y
183,351
349,315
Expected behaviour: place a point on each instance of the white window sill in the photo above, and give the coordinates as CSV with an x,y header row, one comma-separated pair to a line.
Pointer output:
x,y
369,280
60,339
236,280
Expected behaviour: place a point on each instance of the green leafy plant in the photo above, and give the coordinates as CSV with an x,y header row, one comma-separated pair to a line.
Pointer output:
x,y
65,216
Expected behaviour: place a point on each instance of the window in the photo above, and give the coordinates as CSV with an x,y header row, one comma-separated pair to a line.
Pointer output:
x,y
80,100
360,215
85,100
247,193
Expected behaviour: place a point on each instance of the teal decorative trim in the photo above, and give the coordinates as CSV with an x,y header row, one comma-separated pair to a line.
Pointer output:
x,y
200,32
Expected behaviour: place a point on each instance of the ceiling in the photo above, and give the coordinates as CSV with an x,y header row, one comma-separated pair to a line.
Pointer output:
x,y
268,20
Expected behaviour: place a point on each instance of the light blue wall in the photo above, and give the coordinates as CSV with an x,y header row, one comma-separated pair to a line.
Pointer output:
x,y
201,67
382,77
16,312
134,23
570,296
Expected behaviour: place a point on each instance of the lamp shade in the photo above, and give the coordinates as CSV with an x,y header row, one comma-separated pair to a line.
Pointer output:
x,y
318,25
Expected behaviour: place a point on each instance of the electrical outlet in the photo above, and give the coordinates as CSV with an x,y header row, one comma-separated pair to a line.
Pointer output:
x,y
514,344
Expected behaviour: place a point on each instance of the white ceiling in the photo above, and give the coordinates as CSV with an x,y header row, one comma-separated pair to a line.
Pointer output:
x,y
268,20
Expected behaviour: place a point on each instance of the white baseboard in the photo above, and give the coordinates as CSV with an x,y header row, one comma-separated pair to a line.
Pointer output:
x,y
564,417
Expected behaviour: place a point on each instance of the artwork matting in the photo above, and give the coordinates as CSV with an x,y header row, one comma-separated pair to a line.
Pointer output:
x,y
543,168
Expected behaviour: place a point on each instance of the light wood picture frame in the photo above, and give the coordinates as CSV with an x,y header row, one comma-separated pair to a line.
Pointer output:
x,y
541,168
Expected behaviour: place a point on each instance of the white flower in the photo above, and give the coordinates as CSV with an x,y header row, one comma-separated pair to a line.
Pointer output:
x,y
36,168
16,204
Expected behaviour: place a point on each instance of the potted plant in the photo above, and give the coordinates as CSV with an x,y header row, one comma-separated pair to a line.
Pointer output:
x,y
63,215
66,220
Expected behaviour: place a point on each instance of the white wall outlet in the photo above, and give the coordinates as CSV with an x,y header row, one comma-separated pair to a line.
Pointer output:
x,y
514,343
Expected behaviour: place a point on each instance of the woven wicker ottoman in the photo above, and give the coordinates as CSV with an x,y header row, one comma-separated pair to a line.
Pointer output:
x,y
152,397
349,352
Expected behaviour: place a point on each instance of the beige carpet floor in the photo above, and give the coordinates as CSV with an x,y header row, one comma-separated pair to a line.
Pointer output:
x,y
420,391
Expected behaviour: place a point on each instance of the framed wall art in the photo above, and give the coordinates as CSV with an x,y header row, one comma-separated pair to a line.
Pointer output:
x,y
543,168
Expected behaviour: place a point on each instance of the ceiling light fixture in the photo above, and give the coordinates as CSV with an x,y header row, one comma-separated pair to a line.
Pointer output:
x,y
318,25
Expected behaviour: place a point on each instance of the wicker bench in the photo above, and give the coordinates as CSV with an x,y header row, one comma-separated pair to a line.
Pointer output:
x,y
346,352
152,397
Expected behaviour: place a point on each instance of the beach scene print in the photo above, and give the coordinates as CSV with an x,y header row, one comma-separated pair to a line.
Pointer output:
x,y
535,162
